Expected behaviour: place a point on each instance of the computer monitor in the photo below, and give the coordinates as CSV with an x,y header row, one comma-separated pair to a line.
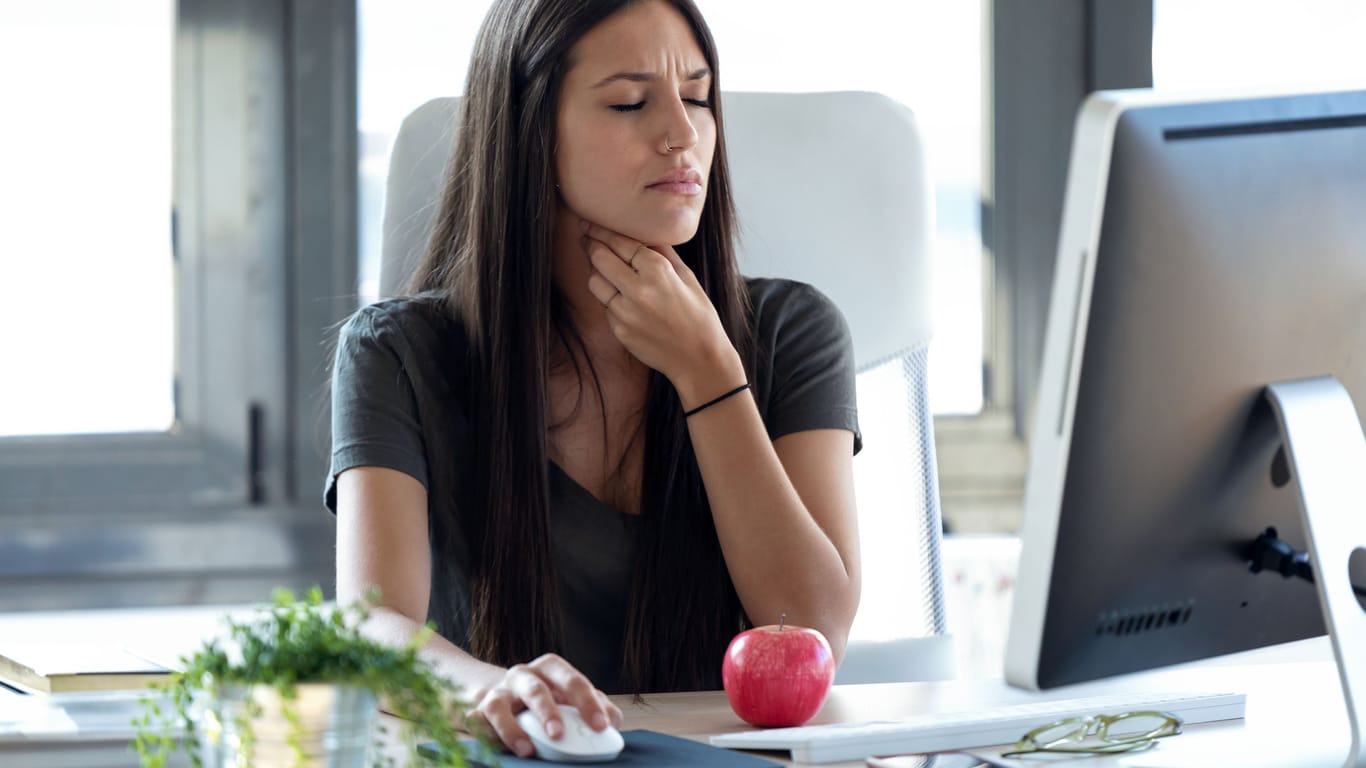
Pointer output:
x,y
1209,248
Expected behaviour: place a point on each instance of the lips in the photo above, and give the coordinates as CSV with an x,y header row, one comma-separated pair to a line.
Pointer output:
x,y
682,181
680,176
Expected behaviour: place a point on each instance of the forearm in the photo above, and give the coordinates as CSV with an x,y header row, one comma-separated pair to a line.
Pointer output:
x,y
392,628
779,558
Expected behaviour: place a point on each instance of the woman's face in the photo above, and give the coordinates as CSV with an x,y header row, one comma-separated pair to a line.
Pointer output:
x,y
637,85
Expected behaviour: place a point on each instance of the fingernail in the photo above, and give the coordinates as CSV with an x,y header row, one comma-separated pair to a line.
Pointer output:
x,y
524,748
553,729
600,721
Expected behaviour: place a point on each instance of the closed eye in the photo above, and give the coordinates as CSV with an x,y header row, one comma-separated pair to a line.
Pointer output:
x,y
703,103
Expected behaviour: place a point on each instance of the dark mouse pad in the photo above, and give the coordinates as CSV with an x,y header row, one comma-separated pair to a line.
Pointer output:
x,y
645,748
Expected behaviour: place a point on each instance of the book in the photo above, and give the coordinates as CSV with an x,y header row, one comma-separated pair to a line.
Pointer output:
x,y
67,667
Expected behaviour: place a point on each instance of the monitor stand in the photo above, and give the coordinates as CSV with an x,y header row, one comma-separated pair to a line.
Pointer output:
x,y
1326,453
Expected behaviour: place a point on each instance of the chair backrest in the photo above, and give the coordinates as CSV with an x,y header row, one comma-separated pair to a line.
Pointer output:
x,y
830,189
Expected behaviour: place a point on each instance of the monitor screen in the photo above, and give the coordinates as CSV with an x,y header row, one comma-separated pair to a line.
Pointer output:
x,y
1209,247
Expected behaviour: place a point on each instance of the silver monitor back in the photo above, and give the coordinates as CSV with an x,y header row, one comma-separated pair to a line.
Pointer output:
x,y
1209,247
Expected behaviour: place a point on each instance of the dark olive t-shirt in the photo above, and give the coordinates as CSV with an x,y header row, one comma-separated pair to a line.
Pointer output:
x,y
399,400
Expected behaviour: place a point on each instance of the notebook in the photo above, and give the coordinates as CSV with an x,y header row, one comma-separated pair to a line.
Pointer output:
x,y
67,667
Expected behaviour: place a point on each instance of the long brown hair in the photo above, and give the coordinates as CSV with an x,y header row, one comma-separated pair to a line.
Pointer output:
x,y
490,256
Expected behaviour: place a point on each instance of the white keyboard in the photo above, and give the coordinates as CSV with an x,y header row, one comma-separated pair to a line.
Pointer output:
x,y
946,731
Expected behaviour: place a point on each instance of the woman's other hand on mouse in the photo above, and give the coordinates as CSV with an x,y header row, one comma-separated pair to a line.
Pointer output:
x,y
659,311
539,686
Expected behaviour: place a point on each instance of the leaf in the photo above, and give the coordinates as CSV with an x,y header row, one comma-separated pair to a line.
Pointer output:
x,y
295,641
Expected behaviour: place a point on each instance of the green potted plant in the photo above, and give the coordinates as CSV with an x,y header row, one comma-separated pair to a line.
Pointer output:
x,y
299,686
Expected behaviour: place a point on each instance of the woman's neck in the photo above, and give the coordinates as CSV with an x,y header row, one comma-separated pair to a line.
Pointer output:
x,y
572,269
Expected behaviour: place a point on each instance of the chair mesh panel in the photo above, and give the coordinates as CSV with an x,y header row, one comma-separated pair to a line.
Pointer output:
x,y
895,475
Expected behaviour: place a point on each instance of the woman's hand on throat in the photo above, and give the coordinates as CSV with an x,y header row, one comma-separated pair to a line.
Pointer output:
x,y
659,311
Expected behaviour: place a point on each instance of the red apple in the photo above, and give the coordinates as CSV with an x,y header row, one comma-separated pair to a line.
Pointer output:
x,y
777,676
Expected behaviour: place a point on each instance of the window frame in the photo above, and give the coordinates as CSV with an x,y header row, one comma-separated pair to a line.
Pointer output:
x,y
1046,56
229,499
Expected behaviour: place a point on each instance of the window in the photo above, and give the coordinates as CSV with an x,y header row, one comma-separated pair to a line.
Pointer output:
x,y
161,341
85,253
1212,44
141,372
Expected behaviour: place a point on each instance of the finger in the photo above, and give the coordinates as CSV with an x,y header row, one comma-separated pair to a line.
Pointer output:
x,y
606,262
574,686
614,715
623,246
602,290
497,712
680,266
533,691
648,261
476,724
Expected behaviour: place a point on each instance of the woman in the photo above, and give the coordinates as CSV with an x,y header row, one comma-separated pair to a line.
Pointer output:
x,y
584,446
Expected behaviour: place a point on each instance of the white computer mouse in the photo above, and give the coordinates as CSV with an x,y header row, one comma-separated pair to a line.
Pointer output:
x,y
579,743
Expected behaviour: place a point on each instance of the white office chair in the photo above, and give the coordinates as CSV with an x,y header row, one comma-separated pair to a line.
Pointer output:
x,y
831,190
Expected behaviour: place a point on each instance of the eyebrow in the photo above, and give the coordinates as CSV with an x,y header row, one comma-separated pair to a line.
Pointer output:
x,y
646,77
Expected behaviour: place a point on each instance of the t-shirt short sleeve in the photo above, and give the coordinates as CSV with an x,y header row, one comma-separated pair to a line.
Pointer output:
x,y
374,408
812,380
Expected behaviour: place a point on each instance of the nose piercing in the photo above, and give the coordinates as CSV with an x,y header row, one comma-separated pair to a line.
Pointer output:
x,y
668,144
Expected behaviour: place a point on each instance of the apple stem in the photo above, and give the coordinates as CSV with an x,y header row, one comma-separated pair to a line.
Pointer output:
x,y
782,619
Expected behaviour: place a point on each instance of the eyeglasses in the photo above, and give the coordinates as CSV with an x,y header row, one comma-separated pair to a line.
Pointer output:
x,y
1099,734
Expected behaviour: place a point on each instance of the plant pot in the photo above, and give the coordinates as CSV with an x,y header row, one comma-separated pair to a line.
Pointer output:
x,y
325,726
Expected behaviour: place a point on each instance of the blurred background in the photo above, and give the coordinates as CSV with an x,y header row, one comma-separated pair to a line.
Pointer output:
x,y
190,201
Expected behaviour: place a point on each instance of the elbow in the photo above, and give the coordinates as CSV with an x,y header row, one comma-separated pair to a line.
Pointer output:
x,y
838,644
837,628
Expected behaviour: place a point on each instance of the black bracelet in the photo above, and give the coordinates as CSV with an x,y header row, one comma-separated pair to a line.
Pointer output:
x,y
710,403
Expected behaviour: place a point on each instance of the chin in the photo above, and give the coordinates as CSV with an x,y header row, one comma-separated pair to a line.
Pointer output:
x,y
676,238
669,233
652,227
